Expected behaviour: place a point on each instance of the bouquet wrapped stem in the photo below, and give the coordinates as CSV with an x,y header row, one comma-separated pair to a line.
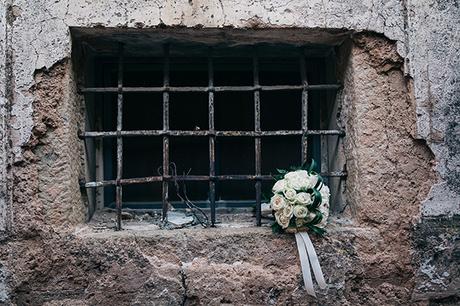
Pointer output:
x,y
300,200
300,204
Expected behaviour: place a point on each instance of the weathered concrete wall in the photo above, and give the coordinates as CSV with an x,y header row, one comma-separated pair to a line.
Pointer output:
x,y
434,57
46,193
3,118
401,97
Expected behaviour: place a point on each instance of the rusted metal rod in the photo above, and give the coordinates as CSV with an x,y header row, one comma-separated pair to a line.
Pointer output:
x,y
165,171
208,133
257,140
119,188
153,179
211,88
303,76
212,140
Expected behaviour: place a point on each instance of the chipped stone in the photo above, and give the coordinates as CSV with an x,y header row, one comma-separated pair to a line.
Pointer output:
x,y
179,219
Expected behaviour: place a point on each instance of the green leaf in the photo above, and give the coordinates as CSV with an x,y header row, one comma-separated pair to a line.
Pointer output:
x,y
276,228
318,217
319,182
317,198
292,223
281,171
312,166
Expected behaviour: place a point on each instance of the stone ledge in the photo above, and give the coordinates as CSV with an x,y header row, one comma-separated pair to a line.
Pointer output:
x,y
186,266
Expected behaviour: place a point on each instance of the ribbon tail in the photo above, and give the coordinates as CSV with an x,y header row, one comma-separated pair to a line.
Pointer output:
x,y
307,279
314,261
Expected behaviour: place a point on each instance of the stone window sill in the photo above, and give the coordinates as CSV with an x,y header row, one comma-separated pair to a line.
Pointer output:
x,y
102,225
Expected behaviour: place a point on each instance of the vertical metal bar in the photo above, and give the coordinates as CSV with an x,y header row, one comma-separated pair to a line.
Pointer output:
x,y
257,140
119,188
324,123
165,171
212,139
303,75
99,158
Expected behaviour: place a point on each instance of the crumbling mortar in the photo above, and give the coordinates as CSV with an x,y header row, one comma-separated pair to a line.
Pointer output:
x,y
184,284
391,117
34,202
6,191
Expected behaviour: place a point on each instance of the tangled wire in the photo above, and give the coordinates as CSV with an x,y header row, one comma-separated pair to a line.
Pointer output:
x,y
182,195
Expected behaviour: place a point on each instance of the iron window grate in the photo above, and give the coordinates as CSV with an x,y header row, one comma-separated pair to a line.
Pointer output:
x,y
211,133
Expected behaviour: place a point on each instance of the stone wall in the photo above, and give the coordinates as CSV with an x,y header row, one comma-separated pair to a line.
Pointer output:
x,y
400,108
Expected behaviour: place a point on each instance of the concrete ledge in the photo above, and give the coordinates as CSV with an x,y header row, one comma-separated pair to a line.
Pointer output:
x,y
187,266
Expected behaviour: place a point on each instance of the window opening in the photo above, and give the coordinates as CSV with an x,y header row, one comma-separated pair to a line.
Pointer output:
x,y
226,120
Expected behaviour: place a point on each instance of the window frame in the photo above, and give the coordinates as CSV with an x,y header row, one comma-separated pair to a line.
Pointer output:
x,y
166,177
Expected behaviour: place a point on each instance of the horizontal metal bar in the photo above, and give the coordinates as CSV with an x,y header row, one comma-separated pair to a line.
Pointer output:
x,y
326,132
208,88
208,133
151,179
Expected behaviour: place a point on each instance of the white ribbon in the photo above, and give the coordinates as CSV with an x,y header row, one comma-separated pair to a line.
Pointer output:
x,y
308,256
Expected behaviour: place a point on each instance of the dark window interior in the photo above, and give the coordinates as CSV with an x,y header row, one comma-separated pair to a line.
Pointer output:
x,y
234,111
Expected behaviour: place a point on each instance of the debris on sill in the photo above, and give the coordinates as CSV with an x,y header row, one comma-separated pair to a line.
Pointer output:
x,y
178,219
141,220
266,210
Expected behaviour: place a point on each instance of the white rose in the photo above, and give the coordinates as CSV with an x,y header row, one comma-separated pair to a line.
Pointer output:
x,y
279,186
309,217
297,179
303,198
288,211
282,219
277,202
290,194
300,211
324,209
325,194
311,181
300,222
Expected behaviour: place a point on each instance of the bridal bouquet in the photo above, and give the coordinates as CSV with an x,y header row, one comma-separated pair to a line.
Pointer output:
x,y
300,202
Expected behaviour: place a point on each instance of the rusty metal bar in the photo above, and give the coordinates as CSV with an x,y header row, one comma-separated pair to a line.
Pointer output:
x,y
165,171
324,152
212,140
119,188
139,133
303,76
257,140
211,88
152,179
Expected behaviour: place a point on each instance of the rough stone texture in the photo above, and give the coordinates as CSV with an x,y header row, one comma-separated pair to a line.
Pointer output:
x,y
389,171
391,168
181,267
401,96
44,194
437,242
5,96
434,57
